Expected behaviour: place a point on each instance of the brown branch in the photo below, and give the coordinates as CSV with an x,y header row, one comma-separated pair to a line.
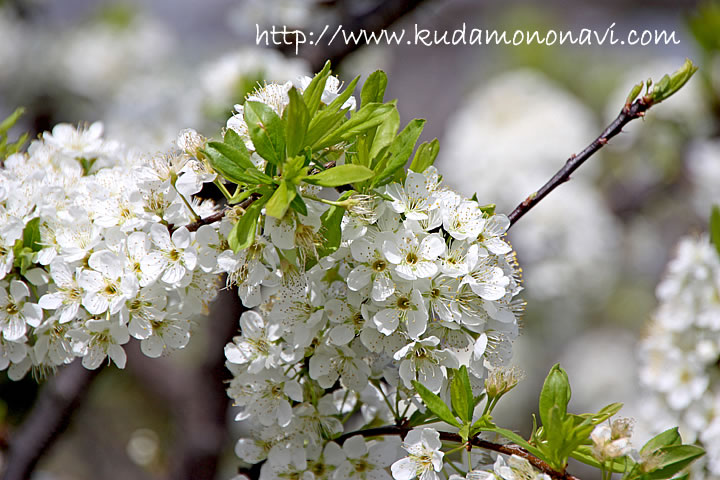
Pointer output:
x,y
628,113
202,427
49,418
508,449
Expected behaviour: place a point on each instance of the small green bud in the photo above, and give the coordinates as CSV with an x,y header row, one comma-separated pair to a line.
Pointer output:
x,y
670,84
634,93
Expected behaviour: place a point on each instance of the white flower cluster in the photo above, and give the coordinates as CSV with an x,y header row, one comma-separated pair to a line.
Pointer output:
x,y
679,356
93,251
422,282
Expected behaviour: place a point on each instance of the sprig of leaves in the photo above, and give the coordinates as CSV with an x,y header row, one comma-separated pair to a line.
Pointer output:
x,y
309,133
562,435
8,148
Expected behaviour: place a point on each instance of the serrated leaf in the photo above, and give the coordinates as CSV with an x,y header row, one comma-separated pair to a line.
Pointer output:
x,y
384,135
715,227
267,131
31,235
280,200
674,459
669,437
425,156
298,204
435,404
233,172
332,222
232,138
297,119
488,209
369,116
313,93
239,157
671,84
243,233
399,152
373,89
419,418
461,395
343,97
584,454
340,175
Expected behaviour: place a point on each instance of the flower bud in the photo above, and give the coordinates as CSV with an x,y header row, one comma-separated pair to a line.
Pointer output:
x,y
190,141
501,380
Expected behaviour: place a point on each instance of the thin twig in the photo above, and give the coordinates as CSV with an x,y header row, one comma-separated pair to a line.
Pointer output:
x,y
50,416
507,449
628,113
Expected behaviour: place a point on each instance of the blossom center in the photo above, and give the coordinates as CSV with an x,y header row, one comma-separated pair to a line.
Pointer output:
x,y
174,255
379,265
361,466
403,303
12,308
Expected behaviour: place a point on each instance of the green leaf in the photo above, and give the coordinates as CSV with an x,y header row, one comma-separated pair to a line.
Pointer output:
x,y
280,200
313,92
10,121
31,235
331,222
297,119
230,170
670,84
298,204
369,116
385,134
337,104
488,209
461,395
517,439
373,90
667,438
239,157
243,232
234,140
399,152
634,93
340,175
266,130
583,454
482,423
675,458
555,393
425,156
715,227
435,404
419,418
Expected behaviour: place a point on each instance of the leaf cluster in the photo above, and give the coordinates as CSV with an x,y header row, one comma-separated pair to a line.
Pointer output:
x,y
298,145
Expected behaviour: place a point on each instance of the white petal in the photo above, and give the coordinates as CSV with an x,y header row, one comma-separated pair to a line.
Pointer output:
x,y
359,277
404,469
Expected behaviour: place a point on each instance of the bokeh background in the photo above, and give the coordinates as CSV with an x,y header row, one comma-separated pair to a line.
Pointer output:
x,y
507,118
